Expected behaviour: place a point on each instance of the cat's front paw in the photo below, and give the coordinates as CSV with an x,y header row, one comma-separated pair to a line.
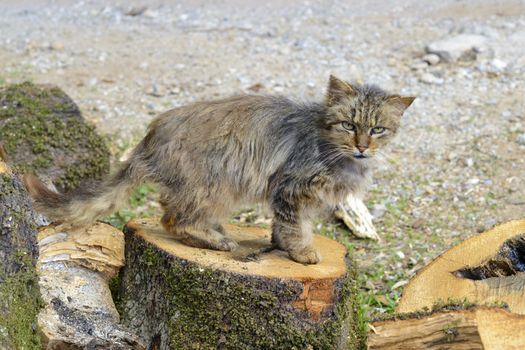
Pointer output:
x,y
307,255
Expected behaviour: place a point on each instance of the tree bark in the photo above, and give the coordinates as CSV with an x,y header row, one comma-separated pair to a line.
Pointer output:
x,y
485,269
179,297
19,294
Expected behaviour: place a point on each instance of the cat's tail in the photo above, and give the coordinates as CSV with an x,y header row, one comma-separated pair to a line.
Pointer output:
x,y
86,204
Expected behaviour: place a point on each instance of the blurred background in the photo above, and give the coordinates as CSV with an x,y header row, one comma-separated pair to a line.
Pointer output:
x,y
456,168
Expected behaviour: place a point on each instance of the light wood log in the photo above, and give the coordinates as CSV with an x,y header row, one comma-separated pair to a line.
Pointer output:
x,y
485,269
180,297
475,328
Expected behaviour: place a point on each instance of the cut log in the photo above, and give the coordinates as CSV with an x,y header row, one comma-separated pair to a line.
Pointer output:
x,y
485,269
475,328
180,297
355,215
74,267
44,133
19,294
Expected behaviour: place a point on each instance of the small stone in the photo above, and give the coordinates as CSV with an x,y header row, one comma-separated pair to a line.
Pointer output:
x,y
452,155
498,64
378,211
474,181
419,65
463,46
431,59
57,46
489,223
136,11
256,87
516,200
429,78
157,90
400,254
506,114
149,13
469,162
399,284
520,139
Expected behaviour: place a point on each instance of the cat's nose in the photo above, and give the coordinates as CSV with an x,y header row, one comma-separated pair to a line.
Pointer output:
x,y
361,148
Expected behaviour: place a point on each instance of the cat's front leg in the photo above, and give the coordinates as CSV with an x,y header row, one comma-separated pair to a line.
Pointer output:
x,y
292,232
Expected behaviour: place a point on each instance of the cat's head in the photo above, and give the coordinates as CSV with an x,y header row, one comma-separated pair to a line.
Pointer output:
x,y
361,119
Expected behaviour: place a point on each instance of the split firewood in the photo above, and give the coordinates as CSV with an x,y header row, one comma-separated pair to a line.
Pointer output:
x,y
74,267
355,215
485,269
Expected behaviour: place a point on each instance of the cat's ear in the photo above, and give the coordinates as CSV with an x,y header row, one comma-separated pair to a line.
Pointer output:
x,y
401,103
338,90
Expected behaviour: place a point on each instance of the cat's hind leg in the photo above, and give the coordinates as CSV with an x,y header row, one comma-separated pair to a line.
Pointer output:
x,y
201,235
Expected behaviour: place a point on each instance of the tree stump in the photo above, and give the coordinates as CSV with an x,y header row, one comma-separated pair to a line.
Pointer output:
x,y
44,133
19,294
485,269
180,297
472,328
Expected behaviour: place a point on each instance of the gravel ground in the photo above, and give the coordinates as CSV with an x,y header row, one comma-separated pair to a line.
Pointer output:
x,y
457,166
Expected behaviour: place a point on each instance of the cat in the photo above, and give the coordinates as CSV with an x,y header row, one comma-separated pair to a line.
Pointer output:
x,y
210,157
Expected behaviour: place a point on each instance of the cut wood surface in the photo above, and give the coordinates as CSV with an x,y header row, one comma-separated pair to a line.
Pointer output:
x,y
485,269
250,239
176,296
99,247
475,328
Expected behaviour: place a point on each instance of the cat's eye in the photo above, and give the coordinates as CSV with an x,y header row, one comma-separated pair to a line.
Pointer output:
x,y
377,130
348,126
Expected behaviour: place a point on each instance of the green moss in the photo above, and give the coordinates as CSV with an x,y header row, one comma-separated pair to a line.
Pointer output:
x,y
440,306
451,330
19,292
210,309
42,130
6,186
19,305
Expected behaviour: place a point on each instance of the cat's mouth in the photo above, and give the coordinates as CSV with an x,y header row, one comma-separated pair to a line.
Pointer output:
x,y
360,156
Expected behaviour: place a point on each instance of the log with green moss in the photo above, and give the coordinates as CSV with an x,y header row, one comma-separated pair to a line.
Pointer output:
x,y
19,293
179,297
44,133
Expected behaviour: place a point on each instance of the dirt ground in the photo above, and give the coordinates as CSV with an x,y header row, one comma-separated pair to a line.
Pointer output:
x,y
456,168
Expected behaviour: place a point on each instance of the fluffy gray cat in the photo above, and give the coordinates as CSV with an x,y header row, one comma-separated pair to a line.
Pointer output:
x,y
208,158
